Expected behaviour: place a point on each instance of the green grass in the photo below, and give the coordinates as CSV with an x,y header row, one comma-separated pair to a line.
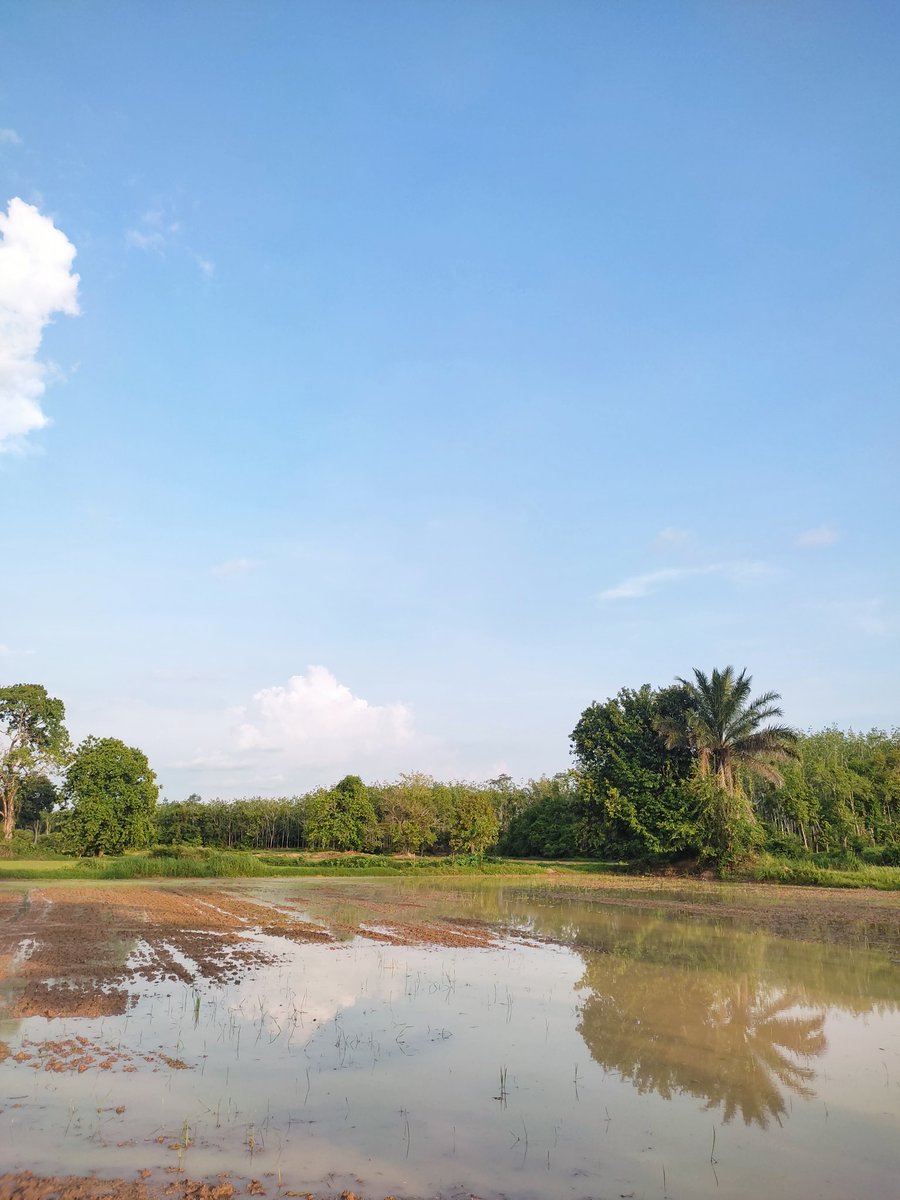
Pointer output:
x,y
202,863
769,869
237,864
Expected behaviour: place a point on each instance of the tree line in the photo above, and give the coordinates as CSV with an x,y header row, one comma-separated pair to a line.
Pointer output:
x,y
698,769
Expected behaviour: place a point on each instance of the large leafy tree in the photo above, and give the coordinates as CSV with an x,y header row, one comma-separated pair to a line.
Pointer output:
x,y
33,739
38,796
342,818
112,793
473,824
634,796
408,816
726,731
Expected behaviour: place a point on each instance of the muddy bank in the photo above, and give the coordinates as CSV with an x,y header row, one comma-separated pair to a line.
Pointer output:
x,y
26,1186
83,950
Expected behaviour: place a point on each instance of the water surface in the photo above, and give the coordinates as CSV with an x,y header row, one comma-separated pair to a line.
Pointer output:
x,y
591,1051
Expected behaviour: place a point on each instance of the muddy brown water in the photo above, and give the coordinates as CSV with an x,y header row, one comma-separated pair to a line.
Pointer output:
x,y
485,1039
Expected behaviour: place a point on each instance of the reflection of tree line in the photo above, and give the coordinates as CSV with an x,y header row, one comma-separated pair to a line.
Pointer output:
x,y
730,1017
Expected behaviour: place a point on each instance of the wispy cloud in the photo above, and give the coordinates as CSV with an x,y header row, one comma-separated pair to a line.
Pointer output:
x,y
9,137
154,231
36,282
206,265
673,538
9,652
822,535
645,585
869,616
146,239
234,566
158,230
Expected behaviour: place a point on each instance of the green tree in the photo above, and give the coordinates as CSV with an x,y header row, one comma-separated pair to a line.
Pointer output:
x,y
550,823
38,796
473,824
181,822
725,729
408,816
725,732
635,800
342,818
34,740
112,793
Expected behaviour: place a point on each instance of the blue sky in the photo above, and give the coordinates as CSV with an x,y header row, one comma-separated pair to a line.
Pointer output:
x,y
437,368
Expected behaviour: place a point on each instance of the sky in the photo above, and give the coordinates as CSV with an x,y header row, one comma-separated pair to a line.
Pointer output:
x,y
381,383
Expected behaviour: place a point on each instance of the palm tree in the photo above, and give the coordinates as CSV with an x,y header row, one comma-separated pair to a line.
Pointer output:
x,y
724,729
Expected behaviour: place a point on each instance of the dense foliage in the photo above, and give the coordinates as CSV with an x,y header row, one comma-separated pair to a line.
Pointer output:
x,y
841,795
700,769
112,793
693,770
635,801
413,814
33,739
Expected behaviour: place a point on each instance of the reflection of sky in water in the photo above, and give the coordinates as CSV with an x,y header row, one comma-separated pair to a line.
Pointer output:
x,y
581,1065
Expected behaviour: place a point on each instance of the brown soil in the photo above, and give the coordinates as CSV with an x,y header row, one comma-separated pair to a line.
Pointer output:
x,y
401,920
26,1186
65,948
82,950
80,1054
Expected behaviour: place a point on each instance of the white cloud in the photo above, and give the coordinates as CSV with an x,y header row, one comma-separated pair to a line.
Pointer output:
x,y
644,585
311,730
822,535
9,137
4,651
234,566
36,281
315,720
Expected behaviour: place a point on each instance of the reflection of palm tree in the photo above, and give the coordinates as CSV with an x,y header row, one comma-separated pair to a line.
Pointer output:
x,y
722,1038
759,1024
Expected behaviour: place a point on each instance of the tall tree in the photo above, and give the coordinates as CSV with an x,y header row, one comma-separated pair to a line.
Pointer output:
x,y
112,792
634,798
473,825
408,817
342,818
31,726
38,796
725,729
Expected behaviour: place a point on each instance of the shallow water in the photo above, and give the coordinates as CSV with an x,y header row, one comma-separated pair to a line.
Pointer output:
x,y
593,1051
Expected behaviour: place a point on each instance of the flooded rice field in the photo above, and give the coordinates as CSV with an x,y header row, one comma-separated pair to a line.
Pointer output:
x,y
421,1040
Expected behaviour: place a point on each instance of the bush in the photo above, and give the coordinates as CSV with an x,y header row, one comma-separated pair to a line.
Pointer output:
x,y
185,850
20,845
881,856
787,845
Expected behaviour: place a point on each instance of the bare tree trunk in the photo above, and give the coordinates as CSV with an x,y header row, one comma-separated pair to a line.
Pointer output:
x,y
8,809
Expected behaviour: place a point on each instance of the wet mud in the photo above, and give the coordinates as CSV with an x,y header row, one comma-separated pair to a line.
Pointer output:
x,y
82,951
